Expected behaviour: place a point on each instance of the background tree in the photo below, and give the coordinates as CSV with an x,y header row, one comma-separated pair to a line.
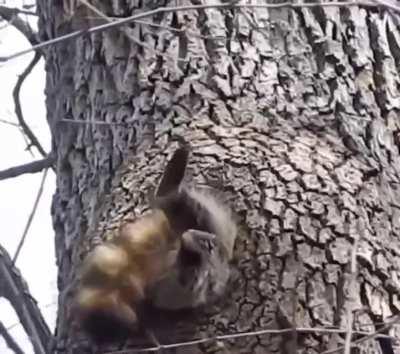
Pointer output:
x,y
17,196
292,112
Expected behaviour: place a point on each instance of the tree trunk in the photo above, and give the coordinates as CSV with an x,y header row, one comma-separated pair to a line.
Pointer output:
x,y
292,113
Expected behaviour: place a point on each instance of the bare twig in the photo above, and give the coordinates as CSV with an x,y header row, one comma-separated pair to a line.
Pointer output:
x,y
28,6
374,335
242,335
18,110
7,23
93,122
18,11
390,5
348,343
22,133
9,123
14,288
353,280
165,27
11,15
160,10
31,216
12,344
15,324
26,12
31,167
125,31
295,337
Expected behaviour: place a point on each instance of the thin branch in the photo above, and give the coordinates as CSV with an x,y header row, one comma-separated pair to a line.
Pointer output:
x,y
7,23
28,6
125,31
390,5
353,283
348,343
11,343
26,12
18,11
22,133
295,336
374,335
168,9
14,288
100,122
15,324
31,167
27,143
165,27
244,334
11,15
93,122
18,110
31,216
9,123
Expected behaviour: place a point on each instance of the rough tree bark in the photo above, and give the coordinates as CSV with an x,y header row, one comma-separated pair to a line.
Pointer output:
x,y
291,112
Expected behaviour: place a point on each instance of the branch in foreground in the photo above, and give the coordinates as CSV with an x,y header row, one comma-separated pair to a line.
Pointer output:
x,y
128,34
11,14
31,216
12,344
31,167
9,123
18,110
23,11
15,290
395,320
22,133
224,337
167,9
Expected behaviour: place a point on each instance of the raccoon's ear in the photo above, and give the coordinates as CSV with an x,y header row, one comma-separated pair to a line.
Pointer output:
x,y
174,172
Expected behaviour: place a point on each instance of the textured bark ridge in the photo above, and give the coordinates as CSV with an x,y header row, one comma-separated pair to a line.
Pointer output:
x,y
292,113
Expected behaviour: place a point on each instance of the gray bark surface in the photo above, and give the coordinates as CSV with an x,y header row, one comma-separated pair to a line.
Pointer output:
x,y
292,113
